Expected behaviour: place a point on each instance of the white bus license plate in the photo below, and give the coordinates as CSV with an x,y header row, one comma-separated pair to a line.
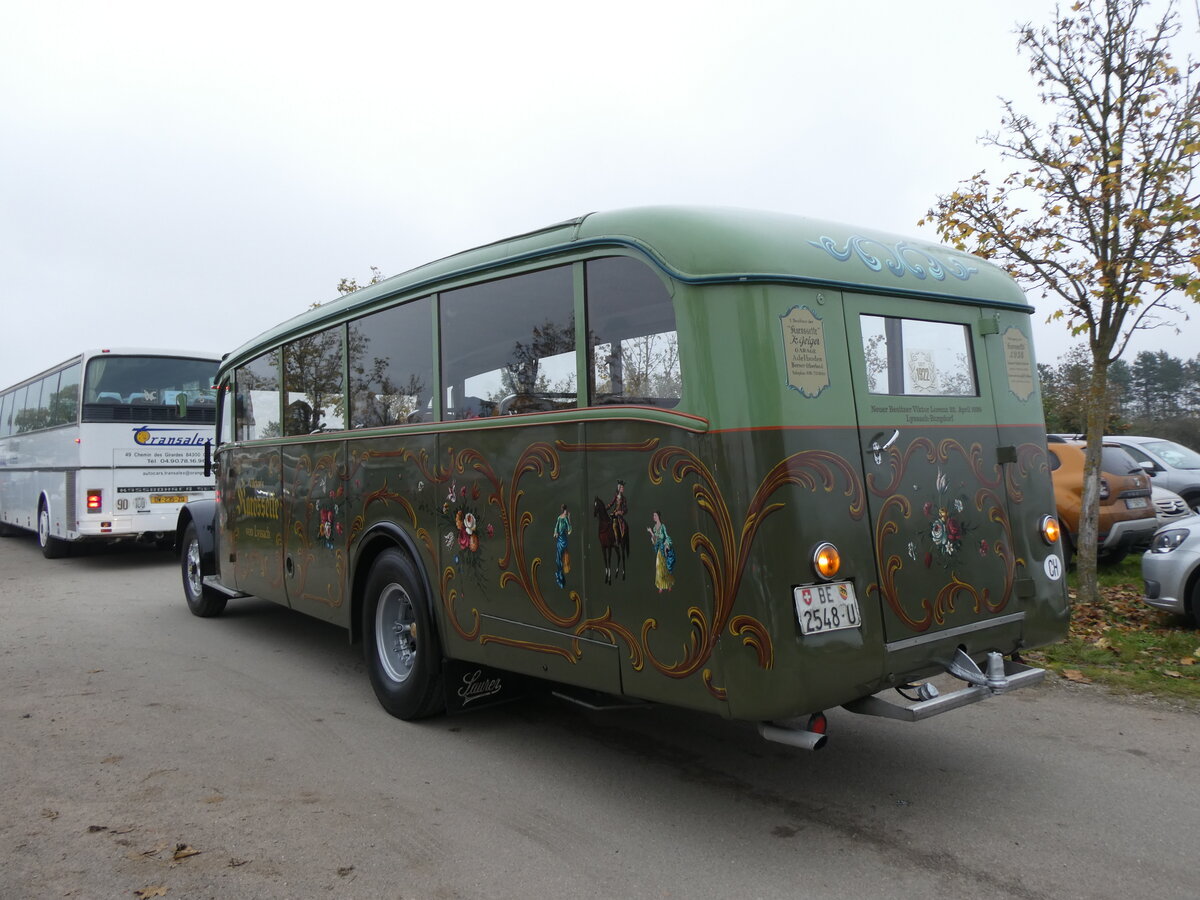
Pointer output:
x,y
1137,502
826,607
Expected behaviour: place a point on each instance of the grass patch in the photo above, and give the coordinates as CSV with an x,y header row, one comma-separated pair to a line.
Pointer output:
x,y
1124,643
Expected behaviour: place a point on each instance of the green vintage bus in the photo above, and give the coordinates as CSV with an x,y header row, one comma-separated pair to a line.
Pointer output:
x,y
741,462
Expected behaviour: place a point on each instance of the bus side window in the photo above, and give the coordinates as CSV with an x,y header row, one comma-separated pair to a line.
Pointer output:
x,y
391,366
633,345
258,398
312,383
64,406
508,346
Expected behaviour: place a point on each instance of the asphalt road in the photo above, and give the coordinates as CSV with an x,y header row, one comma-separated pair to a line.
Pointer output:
x,y
145,752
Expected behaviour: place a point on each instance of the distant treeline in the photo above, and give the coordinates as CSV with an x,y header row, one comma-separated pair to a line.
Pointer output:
x,y
1158,395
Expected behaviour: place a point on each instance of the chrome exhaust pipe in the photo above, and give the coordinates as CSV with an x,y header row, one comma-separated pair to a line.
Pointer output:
x,y
793,737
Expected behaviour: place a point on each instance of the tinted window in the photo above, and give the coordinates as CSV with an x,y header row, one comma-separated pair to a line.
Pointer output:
x,y
633,346
257,386
1117,462
6,414
918,358
312,381
64,405
391,366
17,412
508,346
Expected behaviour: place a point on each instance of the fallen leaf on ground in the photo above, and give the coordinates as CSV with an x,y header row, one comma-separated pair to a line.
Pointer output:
x,y
1187,661
1171,674
155,890
234,862
345,870
1076,676
50,813
183,851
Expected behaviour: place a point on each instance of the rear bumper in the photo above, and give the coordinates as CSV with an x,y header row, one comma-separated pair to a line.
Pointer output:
x,y
1130,535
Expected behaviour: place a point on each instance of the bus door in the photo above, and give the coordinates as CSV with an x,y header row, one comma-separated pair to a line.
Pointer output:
x,y
933,465
249,482
252,515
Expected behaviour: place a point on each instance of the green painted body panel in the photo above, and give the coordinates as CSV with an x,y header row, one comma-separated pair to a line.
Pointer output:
x,y
768,453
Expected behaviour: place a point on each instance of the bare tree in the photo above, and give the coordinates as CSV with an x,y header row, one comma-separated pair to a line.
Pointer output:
x,y
1101,215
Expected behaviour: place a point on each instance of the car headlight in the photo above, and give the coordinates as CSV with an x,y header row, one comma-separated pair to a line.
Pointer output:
x,y
1168,540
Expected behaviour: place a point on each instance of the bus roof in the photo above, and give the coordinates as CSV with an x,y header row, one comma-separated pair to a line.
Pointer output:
x,y
117,351
699,245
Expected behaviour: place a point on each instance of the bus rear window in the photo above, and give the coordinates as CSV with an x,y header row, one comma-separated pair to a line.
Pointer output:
x,y
914,357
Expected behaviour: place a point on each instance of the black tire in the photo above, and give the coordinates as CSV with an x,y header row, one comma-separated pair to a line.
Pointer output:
x,y
1195,601
52,547
401,648
202,600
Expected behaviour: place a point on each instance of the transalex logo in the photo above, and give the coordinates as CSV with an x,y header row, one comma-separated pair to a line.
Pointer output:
x,y
168,437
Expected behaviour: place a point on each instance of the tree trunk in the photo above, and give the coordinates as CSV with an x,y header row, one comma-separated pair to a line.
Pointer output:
x,y
1089,518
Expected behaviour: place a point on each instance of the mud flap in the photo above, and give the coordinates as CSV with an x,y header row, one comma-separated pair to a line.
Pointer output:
x,y
471,686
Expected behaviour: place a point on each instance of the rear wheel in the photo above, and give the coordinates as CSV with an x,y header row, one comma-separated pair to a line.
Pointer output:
x,y
403,658
52,547
202,600
1195,600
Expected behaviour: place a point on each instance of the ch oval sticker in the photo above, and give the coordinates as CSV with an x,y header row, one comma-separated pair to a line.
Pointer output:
x,y
1054,567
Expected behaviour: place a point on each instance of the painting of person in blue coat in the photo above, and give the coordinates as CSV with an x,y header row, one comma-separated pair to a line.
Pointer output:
x,y
562,558
664,554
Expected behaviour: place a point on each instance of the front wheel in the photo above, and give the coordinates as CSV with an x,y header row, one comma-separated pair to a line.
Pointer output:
x,y
401,648
52,547
202,600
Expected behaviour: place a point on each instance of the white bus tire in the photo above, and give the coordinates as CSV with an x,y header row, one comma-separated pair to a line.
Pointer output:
x,y
52,547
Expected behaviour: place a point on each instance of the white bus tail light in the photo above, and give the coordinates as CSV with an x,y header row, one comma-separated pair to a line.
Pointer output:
x,y
95,501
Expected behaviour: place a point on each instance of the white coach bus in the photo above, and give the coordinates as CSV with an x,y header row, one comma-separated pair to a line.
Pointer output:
x,y
106,446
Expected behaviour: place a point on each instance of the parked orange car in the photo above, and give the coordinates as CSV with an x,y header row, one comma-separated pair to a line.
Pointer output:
x,y
1127,515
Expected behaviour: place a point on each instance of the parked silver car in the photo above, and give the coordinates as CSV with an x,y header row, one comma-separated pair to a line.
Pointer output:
x,y
1171,569
1173,466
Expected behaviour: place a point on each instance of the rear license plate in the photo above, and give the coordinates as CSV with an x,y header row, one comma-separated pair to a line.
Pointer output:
x,y
168,498
1137,502
826,607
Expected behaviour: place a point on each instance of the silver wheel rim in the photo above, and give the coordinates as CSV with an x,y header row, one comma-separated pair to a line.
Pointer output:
x,y
396,633
192,573
44,526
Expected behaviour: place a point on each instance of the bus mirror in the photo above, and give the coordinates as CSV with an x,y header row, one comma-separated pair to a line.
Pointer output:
x,y
208,459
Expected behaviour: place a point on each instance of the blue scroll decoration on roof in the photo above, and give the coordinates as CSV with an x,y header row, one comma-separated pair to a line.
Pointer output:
x,y
899,258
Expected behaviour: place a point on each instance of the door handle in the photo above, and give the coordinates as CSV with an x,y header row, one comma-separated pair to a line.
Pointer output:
x,y
877,449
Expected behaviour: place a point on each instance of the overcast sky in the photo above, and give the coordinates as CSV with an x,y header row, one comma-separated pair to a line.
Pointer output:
x,y
189,175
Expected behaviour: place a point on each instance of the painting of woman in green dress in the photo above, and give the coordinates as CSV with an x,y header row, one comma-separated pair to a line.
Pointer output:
x,y
664,554
562,558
